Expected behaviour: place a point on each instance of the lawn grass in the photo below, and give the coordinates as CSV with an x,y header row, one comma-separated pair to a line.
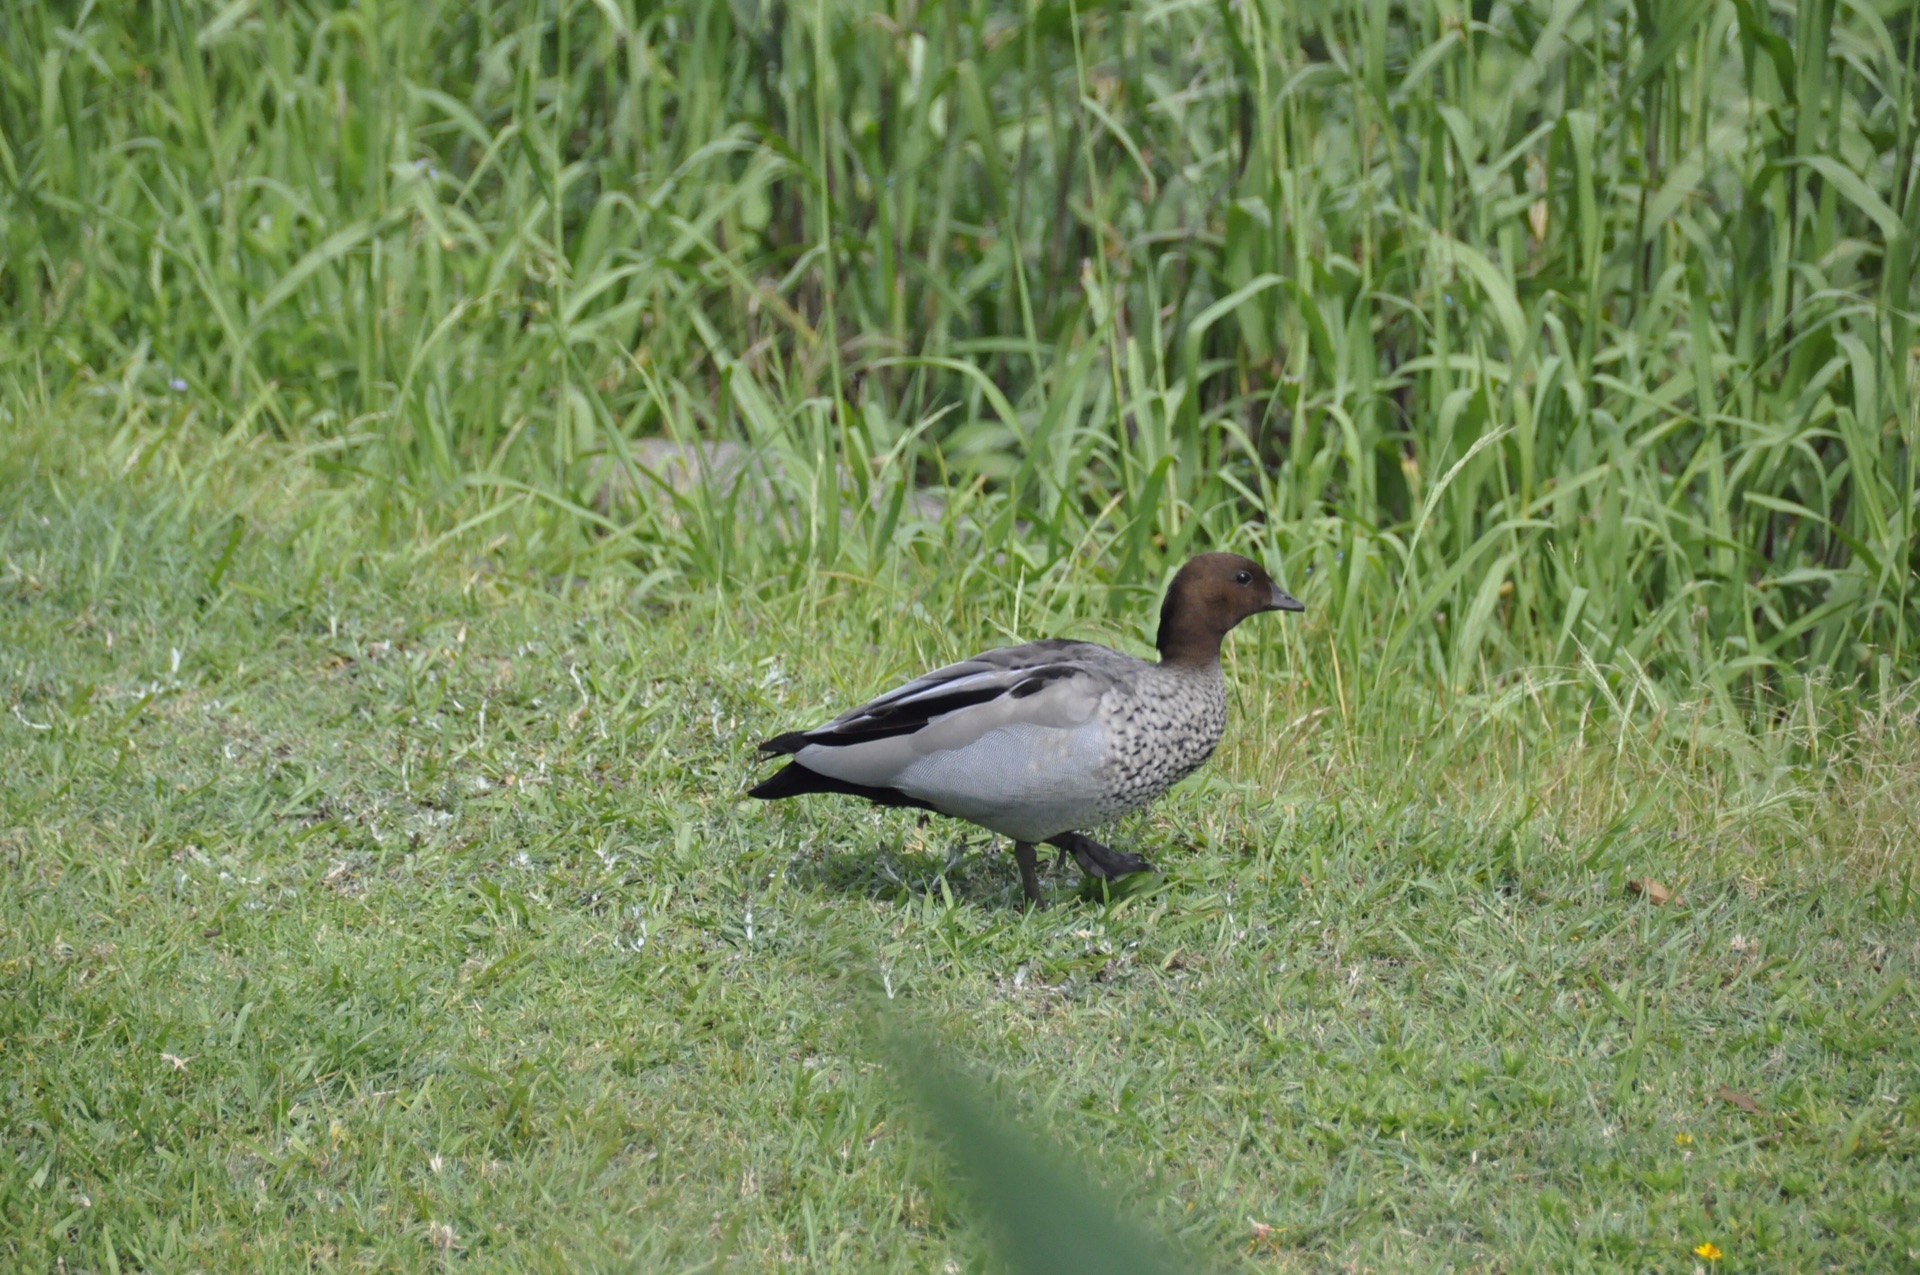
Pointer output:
x,y
369,903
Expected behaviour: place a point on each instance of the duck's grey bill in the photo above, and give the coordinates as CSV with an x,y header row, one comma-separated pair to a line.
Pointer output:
x,y
1284,601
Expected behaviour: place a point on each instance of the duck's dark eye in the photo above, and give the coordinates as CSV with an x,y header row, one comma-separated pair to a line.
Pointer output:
x,y
1244,577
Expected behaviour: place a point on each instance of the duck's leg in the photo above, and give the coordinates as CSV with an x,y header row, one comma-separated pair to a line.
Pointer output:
x,y
1097,860
1029,872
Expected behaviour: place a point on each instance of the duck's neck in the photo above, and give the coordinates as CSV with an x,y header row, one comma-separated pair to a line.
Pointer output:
x,y
1185,642
1191,662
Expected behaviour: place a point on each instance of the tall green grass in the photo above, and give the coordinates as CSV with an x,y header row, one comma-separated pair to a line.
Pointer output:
x,y
1519,336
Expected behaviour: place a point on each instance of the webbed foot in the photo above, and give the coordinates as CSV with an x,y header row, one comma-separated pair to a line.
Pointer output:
x,y
1095,859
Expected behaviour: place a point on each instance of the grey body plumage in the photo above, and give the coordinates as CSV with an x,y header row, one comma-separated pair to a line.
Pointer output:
x,y
1037,741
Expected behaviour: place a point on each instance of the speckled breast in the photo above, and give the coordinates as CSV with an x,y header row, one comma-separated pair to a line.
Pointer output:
x,y
1158,735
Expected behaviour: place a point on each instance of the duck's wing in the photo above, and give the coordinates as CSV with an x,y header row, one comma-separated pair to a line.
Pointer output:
x,y
1053,683
1013,740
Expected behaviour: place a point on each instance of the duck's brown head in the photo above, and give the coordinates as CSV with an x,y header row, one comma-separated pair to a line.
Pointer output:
x,y
1208,596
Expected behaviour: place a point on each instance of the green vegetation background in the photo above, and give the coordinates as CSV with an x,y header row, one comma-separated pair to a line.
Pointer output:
x,y
441,439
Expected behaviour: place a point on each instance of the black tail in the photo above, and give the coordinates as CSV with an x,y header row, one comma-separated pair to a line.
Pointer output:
x,y
796,780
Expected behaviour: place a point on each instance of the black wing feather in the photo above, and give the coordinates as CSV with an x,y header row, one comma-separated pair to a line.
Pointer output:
x,y
910,708
884,723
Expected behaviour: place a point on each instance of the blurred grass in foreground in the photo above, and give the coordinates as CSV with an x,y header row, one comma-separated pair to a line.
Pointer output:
x,y
1554,349
1048,1218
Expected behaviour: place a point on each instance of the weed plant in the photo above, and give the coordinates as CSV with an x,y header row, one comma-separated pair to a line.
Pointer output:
x,y
1521,336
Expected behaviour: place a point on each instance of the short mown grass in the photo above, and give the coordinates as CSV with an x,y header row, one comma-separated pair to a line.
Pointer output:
x,y
371,904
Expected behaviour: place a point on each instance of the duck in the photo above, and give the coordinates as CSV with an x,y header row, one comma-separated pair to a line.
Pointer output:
x,y
1039,741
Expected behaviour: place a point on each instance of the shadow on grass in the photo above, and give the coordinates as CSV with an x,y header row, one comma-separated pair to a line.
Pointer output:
x,y
976,871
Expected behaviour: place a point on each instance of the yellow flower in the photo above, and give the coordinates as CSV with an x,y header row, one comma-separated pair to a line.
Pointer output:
x,y
1707,1250
1682,1139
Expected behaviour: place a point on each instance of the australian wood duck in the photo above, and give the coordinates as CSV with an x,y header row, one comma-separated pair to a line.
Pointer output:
x,y
1036,741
